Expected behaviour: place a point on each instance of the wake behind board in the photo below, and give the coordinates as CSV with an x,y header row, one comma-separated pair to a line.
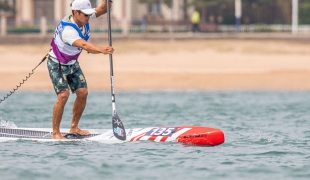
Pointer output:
x,y
188,135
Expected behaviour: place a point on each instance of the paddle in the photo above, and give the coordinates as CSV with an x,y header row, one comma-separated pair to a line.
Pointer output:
x,y
117,125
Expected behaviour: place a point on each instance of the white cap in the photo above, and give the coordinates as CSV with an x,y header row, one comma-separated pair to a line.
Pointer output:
x,y
84,6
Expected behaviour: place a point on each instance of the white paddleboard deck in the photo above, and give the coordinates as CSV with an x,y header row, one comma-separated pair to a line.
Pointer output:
x,y
192,135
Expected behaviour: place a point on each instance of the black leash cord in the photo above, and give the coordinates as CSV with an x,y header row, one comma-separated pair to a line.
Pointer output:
x,y
24,80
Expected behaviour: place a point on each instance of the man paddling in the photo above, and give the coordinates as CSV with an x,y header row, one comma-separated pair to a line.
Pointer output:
x,y
70,38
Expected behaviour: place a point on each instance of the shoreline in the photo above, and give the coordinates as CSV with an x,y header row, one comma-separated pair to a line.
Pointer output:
x,y
37,38
203,65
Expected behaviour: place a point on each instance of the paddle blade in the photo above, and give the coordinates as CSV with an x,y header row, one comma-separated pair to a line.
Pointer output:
x,y
118,127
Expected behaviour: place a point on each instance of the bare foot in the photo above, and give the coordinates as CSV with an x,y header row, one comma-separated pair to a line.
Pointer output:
x,y
57,136
79,131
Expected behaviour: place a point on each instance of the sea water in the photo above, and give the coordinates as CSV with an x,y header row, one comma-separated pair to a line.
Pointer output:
x,y
267,136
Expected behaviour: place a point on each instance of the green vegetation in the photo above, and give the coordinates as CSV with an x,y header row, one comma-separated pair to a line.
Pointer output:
x,y
253,11
304,12
4,6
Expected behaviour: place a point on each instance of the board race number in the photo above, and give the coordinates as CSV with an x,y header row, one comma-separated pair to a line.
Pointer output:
x,y
166,131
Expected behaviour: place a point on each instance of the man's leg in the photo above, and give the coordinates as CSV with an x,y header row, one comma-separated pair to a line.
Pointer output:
x,y
78,108
195,27
58,111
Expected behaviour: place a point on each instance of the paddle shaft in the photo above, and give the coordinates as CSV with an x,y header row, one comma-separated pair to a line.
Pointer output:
x,y
117,125
110,55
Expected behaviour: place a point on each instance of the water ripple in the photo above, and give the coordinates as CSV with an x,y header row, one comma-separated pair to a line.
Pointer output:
x,y
266,136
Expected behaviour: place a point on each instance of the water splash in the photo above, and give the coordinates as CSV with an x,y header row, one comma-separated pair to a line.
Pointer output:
x,y
7,124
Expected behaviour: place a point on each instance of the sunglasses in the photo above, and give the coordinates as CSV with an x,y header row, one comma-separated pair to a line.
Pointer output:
x,y
86,15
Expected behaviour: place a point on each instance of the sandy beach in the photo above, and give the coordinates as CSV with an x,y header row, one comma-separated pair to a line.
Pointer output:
x,y
173,65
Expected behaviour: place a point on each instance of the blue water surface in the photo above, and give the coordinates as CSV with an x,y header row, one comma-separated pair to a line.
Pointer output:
x,y
266,136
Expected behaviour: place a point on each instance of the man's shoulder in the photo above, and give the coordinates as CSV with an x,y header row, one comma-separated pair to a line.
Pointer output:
x,y
69,30
66,18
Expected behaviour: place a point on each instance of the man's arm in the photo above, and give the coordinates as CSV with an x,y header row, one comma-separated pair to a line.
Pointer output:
x,y
92,48
102,9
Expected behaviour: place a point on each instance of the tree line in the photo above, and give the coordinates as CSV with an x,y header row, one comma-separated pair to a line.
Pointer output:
x,y
253,11
5,7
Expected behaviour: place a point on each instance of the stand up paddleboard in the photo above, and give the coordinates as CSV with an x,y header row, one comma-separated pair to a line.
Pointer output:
x,y
188,135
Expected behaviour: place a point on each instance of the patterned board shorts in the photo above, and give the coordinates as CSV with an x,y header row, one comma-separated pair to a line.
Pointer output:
x,y
71,76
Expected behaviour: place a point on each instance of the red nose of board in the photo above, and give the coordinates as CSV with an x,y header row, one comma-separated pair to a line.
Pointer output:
x,y
202,136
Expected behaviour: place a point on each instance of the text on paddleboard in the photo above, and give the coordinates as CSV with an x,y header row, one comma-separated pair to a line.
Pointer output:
x,y
166,131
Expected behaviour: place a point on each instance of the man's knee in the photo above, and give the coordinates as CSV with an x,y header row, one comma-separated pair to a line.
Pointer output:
x,y
63,96
82,93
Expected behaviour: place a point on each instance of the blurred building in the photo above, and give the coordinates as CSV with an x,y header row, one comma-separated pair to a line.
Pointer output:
x,y
28,11
162,15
